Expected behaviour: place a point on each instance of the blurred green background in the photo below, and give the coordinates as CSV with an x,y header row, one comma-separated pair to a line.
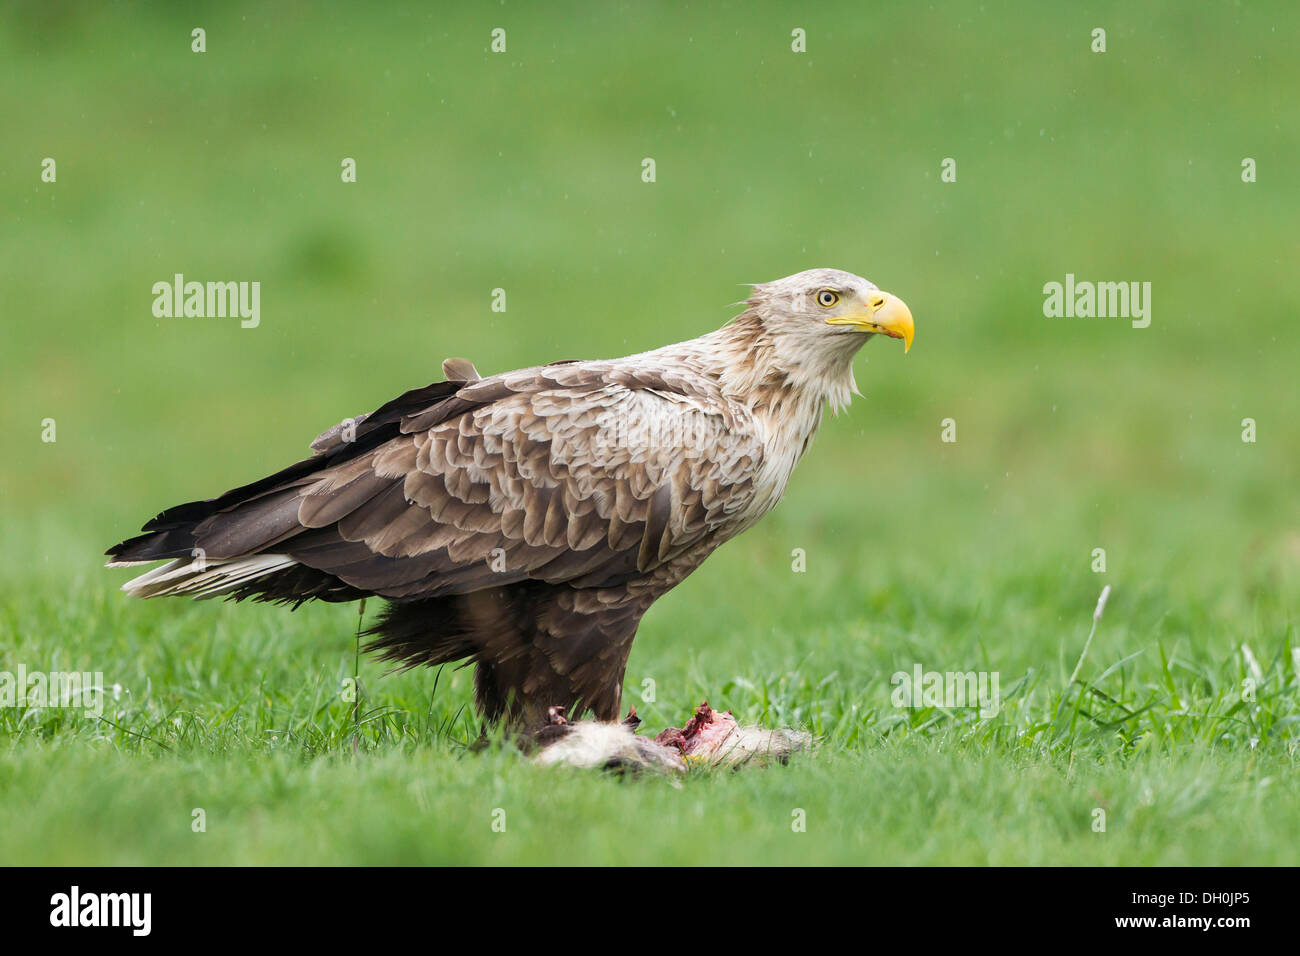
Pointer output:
x,y
522,171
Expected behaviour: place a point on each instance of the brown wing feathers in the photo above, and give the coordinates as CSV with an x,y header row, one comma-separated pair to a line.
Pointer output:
x,y
486,509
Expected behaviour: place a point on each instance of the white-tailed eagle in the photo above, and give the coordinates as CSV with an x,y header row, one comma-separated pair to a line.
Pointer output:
x,y
525,521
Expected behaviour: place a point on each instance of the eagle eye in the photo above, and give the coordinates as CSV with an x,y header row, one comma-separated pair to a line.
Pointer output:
x,y
827,298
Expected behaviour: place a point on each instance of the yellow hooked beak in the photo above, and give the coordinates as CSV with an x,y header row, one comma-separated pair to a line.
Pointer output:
x,y
884,314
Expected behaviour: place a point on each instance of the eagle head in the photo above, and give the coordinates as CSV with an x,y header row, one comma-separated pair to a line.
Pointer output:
x,y
830,308
802,332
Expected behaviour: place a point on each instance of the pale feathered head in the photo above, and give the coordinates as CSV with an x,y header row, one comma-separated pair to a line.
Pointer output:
x,y
831,310
804,330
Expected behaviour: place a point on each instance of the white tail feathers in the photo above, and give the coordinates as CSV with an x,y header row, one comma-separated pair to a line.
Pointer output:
x,y
204,578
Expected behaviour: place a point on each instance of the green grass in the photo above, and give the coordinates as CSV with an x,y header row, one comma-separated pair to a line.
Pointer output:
x,y
522,171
